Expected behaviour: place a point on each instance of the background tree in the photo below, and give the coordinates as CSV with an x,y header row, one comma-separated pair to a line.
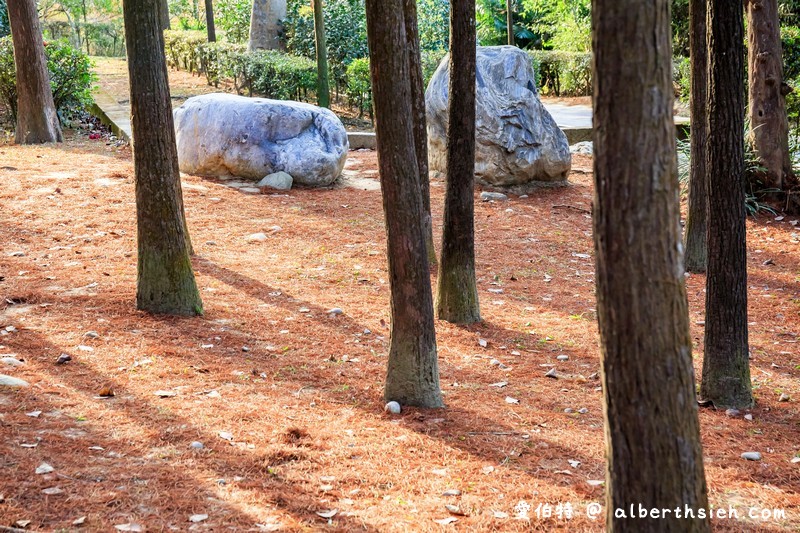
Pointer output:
x,y
37,120
457,292
413,371
163,11
695,240
769,126
653,451
165,281
266,25
510,21
420,128
323,85
210,29
726,362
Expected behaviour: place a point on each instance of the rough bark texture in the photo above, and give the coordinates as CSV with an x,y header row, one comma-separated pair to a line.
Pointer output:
x,y
212,33
726,362
653,451
457,292
510,21
696,254
420,129
37,120
266,22
165,281
769,126
413,372
323,85
163,10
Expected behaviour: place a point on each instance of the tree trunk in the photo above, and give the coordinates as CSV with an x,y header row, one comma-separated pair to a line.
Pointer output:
x,y
457,292
37,120
653,453
323,84
163,10
769,126
212,33
165,282
413,370
420,128
696,255
726,363
266,23
510,21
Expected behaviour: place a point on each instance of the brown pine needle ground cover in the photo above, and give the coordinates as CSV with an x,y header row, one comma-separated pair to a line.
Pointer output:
x,y
286,398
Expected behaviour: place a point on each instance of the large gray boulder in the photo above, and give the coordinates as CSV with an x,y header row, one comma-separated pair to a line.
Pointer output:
x,y
517,141
227,135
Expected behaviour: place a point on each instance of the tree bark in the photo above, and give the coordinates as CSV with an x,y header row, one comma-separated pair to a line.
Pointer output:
x,y
510,21
323,84
457,292
420,128
695,239
726,362
413,370
165,281
769,125
653,453
266,25
163,10
212,33
37,120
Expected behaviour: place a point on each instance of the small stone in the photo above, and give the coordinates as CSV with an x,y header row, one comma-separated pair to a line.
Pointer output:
x,y
91,334
732,413
795,460
277,180
392,408
751,456
52,491
569,410
487,196
335,311
44,468
452,492
63,358
256,237
17,254
304,310
245,348
197,445
511,400
583,410
563,357
198,517
165,393
11,361
8,381
784,397
211,243
749,417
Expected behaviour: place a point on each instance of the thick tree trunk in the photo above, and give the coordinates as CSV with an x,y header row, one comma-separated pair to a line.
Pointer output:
x,y
37,120
769,126
510,21
413,370
323,84
726,362
696,255
212,33
653,453
266,25
420,128
457,292
165,282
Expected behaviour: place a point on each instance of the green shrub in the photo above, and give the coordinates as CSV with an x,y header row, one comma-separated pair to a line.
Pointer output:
x,y
71,77
430,62
359,85
790,40
5,27
681,77
233,17
562,73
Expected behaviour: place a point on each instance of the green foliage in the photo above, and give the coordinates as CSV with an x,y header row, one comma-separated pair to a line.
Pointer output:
x,y
430,62
433,20
359,86
564,24
681,77
790,41
268,73
680,28
188,14
71,77
5,27
233,18
562,73
492,22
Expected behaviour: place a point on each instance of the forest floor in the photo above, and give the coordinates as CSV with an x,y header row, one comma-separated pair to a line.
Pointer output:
x,y
286,399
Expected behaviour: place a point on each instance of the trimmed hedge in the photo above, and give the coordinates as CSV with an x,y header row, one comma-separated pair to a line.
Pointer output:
x,y
267,73
562,73
71,77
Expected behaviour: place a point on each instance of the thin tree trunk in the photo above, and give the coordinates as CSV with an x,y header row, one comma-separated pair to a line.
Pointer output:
x,y
510,21
653,453
323,83
769,125
726,362
163,10
165,281
696,255
413,371
420,128
212,33
457,292
37,120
